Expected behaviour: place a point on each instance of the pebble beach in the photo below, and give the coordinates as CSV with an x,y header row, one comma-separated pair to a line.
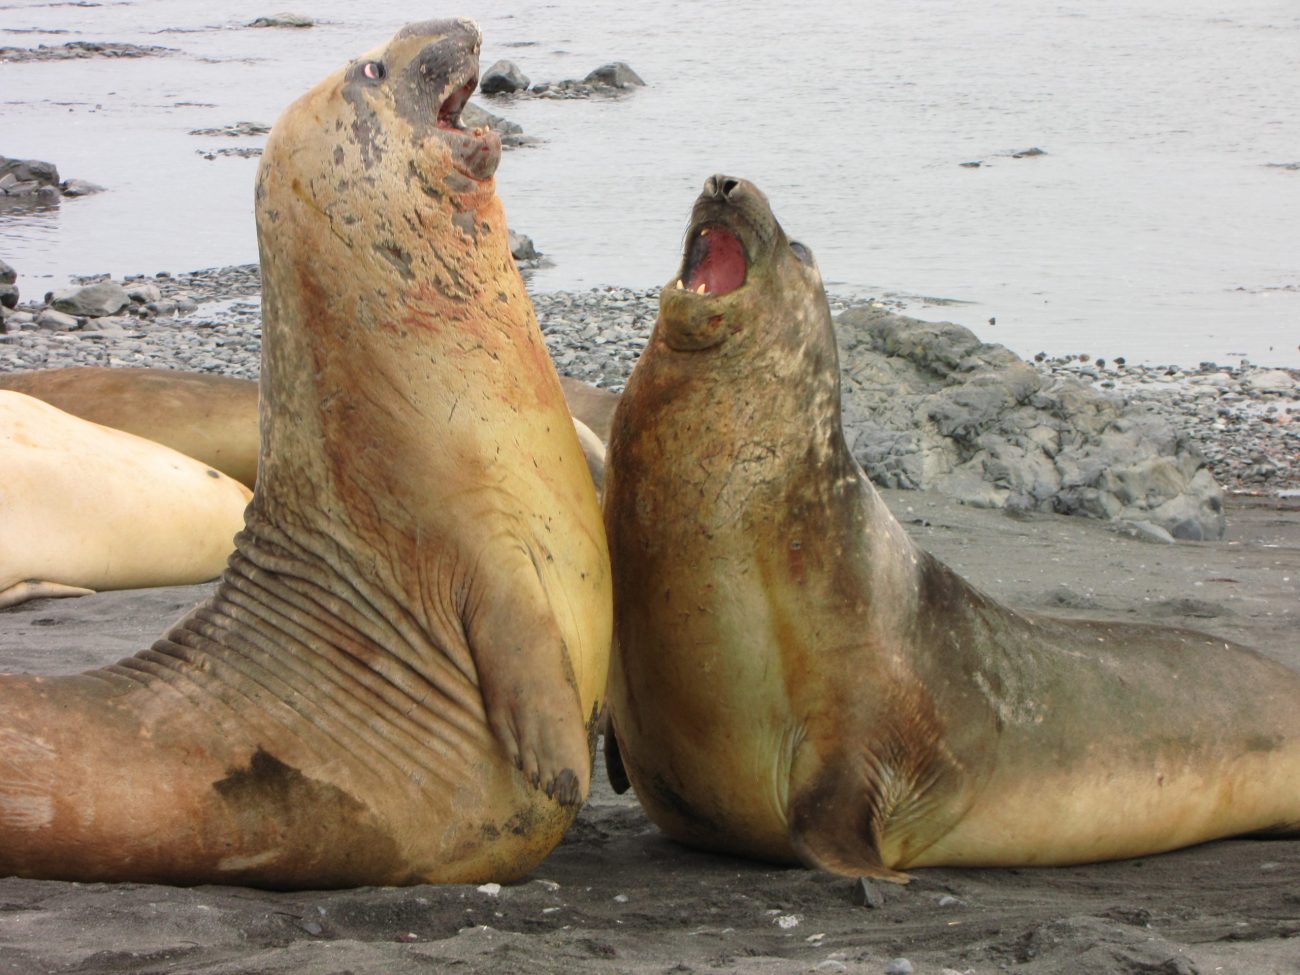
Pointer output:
x,y
1243,418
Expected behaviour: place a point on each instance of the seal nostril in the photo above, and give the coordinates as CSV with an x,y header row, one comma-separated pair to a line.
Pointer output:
x,y
729,185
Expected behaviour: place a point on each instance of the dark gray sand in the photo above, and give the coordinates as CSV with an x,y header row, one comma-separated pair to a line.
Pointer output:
x,y
618,897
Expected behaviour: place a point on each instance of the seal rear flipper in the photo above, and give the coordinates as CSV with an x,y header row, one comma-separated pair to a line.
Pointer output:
x,y
526,678
834,822
21,592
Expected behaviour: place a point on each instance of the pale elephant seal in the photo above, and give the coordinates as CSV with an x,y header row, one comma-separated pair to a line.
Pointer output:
x,y
795,680
84,507
214,418
210,418
396,677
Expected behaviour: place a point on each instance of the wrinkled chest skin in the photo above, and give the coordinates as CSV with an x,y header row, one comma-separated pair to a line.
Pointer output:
x,y
794,680
399,675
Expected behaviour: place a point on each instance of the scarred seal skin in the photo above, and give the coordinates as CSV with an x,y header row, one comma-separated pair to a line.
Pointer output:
x,y
794,680
396,678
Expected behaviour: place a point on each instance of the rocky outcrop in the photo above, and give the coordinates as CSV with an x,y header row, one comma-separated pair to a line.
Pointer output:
x,y
930,406
32,180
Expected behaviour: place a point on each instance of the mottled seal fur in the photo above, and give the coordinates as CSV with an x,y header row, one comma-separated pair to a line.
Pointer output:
x,y
795,680
398,675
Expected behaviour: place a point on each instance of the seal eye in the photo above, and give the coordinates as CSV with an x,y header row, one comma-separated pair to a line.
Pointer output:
x,y
801,252
374,70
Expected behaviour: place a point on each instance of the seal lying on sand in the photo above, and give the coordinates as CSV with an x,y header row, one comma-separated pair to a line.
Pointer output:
x,y
84,507
214,418
395,679
795,680
210,418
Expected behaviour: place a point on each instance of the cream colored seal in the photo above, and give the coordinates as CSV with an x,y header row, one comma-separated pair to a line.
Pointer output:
x,y
796,680
214,418
396,678
84,507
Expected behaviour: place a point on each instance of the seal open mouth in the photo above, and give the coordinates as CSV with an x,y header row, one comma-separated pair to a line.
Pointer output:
x,y
449,111
715,261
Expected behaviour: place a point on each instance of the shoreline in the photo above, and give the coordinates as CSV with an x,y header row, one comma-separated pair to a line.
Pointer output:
x,y
1244,419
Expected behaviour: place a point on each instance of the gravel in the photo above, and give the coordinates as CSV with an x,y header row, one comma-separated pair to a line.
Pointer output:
x,y
1244,419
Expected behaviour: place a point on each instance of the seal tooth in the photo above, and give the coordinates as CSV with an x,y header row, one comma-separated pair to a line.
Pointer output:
x,y
704,232
701,289
680,286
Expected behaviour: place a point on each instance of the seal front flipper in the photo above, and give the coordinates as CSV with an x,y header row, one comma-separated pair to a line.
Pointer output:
x,y
526,678
21,592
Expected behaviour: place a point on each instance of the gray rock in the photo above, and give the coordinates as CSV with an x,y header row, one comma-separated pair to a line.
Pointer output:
x,y
899,966
142,293
79,187
928,405
93,300
25,171
521,247
866,894
1147,532
55,321
7,274
283,19
504,77
616,74
8,296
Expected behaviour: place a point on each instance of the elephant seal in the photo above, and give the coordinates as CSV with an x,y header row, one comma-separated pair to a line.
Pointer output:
x,y
84,507
210,418
396,677
214,418
795,680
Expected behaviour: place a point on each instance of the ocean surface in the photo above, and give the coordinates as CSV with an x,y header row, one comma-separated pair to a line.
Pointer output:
x,y
1161,223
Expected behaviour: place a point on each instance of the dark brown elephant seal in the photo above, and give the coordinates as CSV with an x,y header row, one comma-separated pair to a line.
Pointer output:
x,y
397,675
214,418
795,680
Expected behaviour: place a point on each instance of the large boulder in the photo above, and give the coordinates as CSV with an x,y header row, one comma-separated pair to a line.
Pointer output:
x,y
504,77
930,406
93,300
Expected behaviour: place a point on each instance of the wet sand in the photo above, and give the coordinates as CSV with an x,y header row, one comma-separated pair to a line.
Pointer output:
x,y
616,896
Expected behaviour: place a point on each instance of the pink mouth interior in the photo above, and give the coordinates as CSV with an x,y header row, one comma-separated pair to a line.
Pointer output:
x,y
717,261
449,111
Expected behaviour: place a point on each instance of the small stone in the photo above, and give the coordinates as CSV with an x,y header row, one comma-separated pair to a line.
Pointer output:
x,y
831,965
283,19
899,966
7,274
79,187
615,75
9,295
55,321
492,890
866,894
143,293
787,921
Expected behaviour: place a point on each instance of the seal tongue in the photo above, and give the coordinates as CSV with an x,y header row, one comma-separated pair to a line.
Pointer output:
x,y
716,261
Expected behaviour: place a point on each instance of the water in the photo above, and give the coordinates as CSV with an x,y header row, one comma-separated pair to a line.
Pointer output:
x,y
1154,227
